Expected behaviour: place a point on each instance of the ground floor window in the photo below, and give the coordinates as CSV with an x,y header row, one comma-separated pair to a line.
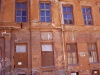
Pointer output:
x,y
20,56
47,55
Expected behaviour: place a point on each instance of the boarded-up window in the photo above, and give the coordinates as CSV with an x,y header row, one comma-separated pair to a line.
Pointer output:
x,y
93,57
47,55
46,35
72,53
20,56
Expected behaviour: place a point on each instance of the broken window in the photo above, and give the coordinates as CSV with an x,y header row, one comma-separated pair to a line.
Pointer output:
x,y
47,55
72,53
93,57
21,11
45,14
68,14
87,16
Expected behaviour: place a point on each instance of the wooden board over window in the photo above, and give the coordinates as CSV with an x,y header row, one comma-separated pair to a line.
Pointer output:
x,y
46,35
47,55
20,56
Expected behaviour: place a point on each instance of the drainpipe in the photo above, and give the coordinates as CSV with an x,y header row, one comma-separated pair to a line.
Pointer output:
x,y
62,35
63,45
29,10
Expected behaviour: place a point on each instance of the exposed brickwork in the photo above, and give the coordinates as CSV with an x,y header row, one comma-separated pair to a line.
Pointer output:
x,y
12,33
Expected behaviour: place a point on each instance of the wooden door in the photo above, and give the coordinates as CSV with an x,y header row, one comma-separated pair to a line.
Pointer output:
x,y
47,55
20,56
95,72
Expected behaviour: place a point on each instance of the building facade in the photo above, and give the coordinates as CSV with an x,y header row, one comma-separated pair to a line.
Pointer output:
x,y
49,37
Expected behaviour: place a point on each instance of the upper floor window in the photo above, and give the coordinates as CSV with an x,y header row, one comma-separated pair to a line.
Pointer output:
x,y
93,57
68,14
21,12
45,14
87,15
72,53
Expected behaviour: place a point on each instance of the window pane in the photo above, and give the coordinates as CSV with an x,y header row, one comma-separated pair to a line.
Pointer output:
x,y
18,5
65,21
64,9
74,60
48,19
24,5
83,10
46,35
46,47
95,56
69,9
65,15
69,60
89,22
85,22
42,19
68,48
84,16
23,19
23,13
42,13
69,16
20,48
18,13
88,10
42,5
18,19
47,6
47,13
70,22
89,16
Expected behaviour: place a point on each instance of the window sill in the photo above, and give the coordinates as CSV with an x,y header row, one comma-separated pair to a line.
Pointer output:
x,y
88,25
69,24
95,63
48,68
73,65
